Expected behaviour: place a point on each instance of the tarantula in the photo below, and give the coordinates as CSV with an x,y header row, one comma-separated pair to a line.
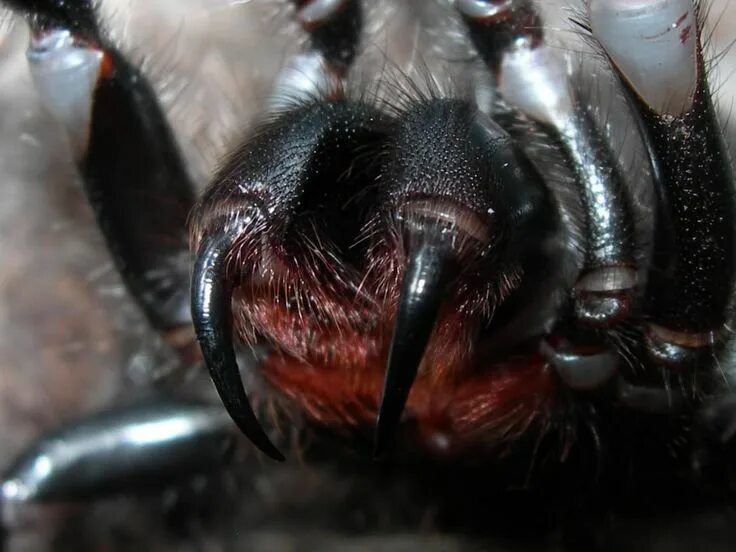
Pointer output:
x,y
434,274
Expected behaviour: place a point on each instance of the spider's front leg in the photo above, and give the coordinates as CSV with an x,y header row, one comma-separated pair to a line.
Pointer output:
x,y
690,274
131,167
655,50
692,280
533,77
141,194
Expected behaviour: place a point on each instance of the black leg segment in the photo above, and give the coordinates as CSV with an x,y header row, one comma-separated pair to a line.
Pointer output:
x,y
133,172
692,274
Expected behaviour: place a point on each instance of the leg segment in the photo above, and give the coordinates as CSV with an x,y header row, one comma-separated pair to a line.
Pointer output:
x,y
139,447
335,29
533,77
334,26
656,51
133,173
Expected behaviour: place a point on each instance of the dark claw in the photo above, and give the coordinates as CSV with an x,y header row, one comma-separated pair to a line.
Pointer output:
x,y
211,296
422,294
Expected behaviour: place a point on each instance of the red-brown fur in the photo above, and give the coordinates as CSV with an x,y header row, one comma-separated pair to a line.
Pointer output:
x,y
330,330
490,409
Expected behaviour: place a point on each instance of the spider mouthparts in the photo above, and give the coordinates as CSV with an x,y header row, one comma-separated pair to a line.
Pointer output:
x,y
422,294
211,299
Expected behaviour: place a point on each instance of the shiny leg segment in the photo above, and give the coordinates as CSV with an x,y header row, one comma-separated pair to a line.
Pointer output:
x,y
131,167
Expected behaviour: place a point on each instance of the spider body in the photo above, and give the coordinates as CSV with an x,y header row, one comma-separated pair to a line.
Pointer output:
x,y
470,279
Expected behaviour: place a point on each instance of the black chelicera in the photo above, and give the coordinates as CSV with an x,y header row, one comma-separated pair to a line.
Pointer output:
x,y
440,276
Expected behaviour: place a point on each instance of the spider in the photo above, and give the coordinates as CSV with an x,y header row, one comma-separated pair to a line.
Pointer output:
x,y
476,274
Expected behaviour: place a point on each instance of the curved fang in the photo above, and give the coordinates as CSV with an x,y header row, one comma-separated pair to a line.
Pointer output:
x,y
211,296
422,295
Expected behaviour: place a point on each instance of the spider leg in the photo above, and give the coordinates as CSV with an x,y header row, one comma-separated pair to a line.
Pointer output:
x,y
131,167
135,181
533,77
595,371
334,28
691,277
692,274
582,371
144,446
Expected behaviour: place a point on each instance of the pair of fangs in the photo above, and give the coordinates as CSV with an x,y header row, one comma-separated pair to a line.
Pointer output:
x,y
427,274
